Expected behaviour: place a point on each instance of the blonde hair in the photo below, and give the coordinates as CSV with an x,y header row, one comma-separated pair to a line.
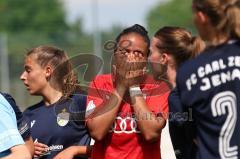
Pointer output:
x,y
63,77
224,15
179,43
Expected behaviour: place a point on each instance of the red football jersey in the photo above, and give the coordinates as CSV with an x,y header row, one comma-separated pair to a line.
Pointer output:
x,y
124,140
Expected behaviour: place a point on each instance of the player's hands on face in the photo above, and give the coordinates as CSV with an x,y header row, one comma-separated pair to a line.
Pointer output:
x,y
137,67
129,68
39,149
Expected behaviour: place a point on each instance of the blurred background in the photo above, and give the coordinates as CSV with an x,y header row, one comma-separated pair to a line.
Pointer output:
x,y
77,26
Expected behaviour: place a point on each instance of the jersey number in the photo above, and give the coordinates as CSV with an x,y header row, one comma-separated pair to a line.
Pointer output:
x,y
220,104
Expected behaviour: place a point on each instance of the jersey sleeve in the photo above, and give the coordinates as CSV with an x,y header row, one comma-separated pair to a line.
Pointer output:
x,y
176,108
159,105
22,122
98,95
164,103
8,127
157,98
93,99
77,107
182,131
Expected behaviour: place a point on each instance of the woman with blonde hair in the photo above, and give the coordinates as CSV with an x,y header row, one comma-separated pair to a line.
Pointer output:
x,y
56,128
209,84
170,48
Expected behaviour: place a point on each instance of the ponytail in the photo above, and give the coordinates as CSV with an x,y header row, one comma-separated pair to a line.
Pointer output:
x,y
70,80
233,20
196,47
179,43
223,14
64,78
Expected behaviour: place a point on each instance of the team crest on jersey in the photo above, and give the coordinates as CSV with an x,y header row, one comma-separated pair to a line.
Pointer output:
x,y
63,118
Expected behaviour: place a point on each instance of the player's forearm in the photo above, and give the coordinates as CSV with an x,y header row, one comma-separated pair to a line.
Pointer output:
x,y
104,117
29,144
81,150
101,124
19,152
77,150
149,124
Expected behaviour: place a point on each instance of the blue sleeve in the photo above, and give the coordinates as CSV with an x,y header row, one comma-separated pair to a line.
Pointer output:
x,y
177,113
78,108
78,111
181,127
22,123
12,102
9,135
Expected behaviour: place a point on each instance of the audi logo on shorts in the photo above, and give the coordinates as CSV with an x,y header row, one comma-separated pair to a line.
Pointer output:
x,y
126,125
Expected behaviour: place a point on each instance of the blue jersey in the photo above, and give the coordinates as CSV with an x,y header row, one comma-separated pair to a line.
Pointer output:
x,y
59,125
181,128
9,134
23,126
209,88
